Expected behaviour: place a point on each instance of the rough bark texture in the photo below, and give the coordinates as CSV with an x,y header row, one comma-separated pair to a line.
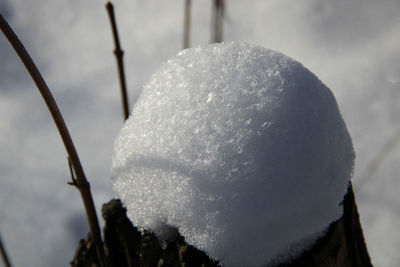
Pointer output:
x,y
343,245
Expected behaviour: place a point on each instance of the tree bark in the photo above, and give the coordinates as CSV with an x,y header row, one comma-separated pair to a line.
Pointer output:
x,y
343,244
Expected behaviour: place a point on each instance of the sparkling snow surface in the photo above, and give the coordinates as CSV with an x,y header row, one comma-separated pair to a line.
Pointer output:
x,y
241,148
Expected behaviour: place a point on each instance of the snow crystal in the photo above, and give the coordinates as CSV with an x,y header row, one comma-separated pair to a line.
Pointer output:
x,y
241,148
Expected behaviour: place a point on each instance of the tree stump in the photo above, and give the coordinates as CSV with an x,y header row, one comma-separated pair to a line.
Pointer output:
x,y
343,244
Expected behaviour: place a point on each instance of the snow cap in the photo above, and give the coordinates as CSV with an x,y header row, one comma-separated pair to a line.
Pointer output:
x,y
241,148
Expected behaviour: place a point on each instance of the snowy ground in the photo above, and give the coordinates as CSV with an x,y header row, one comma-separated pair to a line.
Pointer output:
x,y
352,46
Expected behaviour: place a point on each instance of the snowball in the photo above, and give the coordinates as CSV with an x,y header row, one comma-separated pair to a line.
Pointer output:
x,y
242,149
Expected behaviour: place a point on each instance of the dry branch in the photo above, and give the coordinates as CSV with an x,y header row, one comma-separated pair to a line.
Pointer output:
x,y
378,160
119,53
82,183
71,172
4,255
186,25
217,17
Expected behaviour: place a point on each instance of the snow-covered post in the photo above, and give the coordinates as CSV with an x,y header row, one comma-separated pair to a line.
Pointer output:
x,y
244,152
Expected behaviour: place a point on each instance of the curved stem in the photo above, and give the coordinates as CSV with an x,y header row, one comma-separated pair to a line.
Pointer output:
x,y
82,183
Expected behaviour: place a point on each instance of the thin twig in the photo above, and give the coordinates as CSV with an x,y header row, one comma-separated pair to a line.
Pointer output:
x,y
83,184
186,25
71,171
119,53
218,11
377,161
4,255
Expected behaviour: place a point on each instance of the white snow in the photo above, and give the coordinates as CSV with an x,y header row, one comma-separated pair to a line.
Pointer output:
x,y
241,148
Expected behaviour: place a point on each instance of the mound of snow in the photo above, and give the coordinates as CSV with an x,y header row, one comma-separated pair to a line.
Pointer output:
x,y
241,148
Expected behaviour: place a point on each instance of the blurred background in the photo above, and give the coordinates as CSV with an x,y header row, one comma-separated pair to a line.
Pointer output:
x,y
351,45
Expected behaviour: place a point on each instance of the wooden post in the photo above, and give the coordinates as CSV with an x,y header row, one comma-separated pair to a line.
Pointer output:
x,y
342,245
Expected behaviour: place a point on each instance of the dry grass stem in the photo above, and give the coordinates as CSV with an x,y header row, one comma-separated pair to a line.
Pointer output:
x,y
186,25
119,53
82,183
218,11
378,160
4,255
